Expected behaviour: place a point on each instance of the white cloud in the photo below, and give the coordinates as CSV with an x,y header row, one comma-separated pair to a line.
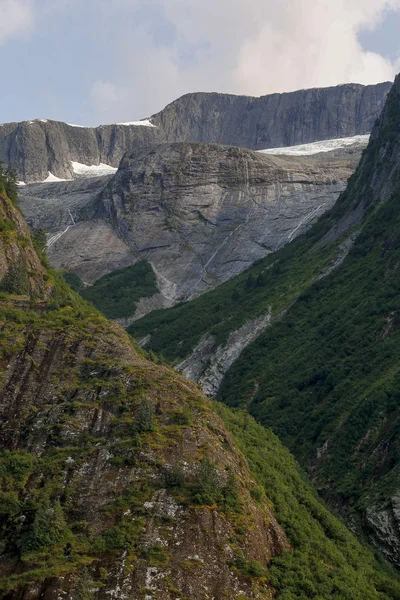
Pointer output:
x,y
250,47
16,16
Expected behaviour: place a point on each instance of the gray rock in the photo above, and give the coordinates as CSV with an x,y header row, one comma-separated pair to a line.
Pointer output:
x,y
208,363
202,213
275,120
38,147
383,526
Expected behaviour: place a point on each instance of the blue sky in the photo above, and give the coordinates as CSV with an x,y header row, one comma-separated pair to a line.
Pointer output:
x,y
91,62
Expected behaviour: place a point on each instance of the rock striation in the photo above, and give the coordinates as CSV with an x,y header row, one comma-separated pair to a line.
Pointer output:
x,y
198,213
274,120
100,451
37,148
202,213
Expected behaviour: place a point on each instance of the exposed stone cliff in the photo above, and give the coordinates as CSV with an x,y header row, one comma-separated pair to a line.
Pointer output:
x,y
38,147
274,120
202,213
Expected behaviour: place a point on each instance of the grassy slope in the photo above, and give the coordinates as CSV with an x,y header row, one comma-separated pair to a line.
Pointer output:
x,y
327,561
327,371
117,293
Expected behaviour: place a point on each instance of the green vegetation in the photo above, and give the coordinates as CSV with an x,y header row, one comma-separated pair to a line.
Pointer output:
x,y
269,285
84,589
326,375
117,293
326,561
145,417
104,404
9,182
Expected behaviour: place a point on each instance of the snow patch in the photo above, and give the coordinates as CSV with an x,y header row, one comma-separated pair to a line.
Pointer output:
x,y
21,183
71,125
53,179
92,170
144,123
317,147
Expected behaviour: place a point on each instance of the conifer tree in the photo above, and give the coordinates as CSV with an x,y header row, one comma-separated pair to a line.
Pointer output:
x,y
84,589
145,417
11,183
49,526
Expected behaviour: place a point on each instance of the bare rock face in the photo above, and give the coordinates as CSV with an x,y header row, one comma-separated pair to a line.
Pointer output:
x,y
38,147
275,120
208,363
202,213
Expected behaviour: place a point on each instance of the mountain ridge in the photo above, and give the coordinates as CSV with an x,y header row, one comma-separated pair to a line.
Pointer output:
x,y
323,372
119,479
37,148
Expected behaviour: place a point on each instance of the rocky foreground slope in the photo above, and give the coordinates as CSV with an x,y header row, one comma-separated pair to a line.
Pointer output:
x,y
102,455
37,148
118,480
308,341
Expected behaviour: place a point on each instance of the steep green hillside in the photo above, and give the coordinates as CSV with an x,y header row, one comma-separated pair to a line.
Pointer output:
x,y
117,293
325,375
118,477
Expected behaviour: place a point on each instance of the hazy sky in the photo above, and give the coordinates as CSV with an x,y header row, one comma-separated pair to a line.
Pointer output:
x,y
99,61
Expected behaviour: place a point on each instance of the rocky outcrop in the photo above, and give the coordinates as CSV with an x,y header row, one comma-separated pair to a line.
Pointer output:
x,y
209,362
102,454
383,524
202,213
21,272
37,148
274,120
199,213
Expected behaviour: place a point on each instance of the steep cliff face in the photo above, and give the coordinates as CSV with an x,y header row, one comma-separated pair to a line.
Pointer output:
x,y
38,147
323,373
274,120
201,213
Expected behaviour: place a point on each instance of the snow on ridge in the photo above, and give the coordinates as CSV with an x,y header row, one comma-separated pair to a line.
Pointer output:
x,y
92,170
317,147
144,123
53,179
81,126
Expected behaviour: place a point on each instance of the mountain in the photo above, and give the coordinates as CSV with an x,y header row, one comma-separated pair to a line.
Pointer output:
x,y
43,148
198,213
307,340
40,148
118,478
275,120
